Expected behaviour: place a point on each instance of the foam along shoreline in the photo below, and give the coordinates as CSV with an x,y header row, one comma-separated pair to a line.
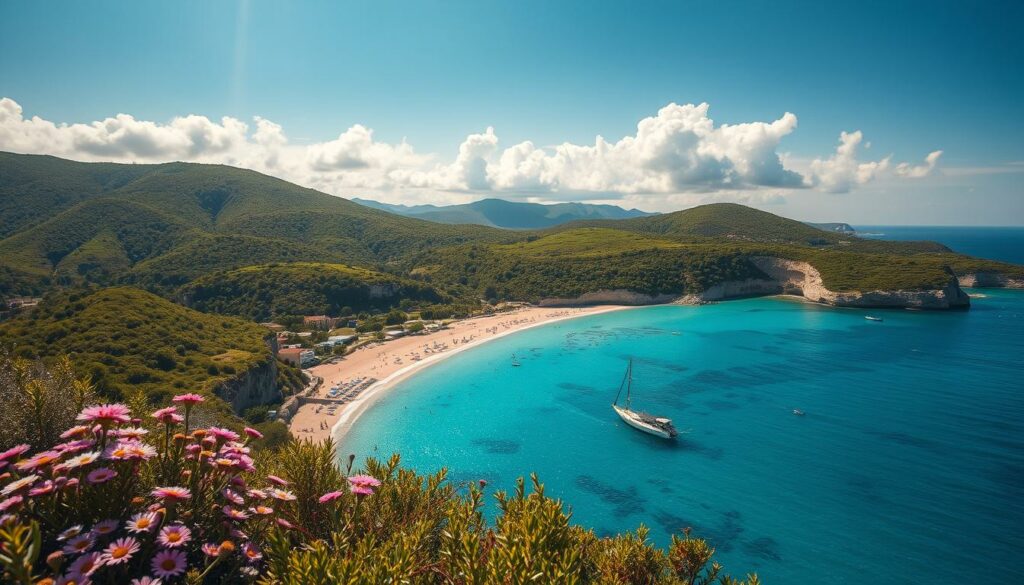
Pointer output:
x,y
386,362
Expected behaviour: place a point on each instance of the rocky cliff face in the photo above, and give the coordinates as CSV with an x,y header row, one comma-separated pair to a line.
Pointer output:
x,y
785,277
990,279
255,386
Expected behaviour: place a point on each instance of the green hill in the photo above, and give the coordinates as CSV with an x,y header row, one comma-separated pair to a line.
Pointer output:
x,y
124,337
264,292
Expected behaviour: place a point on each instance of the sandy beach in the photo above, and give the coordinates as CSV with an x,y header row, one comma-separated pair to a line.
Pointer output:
x,y
370,371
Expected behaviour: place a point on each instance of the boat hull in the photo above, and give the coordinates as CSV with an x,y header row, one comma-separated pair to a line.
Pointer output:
x,y
630,419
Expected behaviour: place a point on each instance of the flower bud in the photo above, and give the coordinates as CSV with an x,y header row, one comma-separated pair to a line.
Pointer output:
x,y
55,560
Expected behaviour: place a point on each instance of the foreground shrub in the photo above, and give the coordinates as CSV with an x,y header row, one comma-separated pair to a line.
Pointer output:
x,y
155,501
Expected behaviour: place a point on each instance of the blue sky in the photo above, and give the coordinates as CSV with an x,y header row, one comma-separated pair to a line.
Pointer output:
x,y
912,77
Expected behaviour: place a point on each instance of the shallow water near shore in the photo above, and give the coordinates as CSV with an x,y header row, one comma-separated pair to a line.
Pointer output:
x,y
907,467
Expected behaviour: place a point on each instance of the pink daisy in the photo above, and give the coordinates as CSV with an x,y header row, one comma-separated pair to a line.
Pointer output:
x,y
168,415
120,551
258,494
74,446
210,549
277,480
174,536
234,514
169,563
18,485
262,510
42,489
101,475
364,480
361,490
13,452
330,497
10,503
75,432
142,522
233,497
284,523
253,433
223,434
147,580
81,460
131,433
252,554
105,527
106,414
79,544
85,565
188,399
281,495
38,460
172,493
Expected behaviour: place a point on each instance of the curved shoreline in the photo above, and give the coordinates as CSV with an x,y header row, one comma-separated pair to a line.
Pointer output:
x,y
379,389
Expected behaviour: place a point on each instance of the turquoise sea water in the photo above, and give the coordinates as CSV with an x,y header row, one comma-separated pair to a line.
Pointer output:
x,y
907,468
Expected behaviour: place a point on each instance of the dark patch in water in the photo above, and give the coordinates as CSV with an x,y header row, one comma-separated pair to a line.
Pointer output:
x,y
904,439
722,535
498,446
577,387
765,547
721,405
624,501
1009,477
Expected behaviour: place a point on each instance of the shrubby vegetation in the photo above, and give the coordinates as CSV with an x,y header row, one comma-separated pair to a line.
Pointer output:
x,y
142,496
299,288
124,338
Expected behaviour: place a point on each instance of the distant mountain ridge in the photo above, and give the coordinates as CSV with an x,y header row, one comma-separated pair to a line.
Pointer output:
x,y
508,214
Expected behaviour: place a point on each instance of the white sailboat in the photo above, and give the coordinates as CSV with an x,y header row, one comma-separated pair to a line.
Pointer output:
x,y
641,421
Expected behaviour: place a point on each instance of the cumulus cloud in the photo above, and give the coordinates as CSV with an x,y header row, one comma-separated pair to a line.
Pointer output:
x,y
678,151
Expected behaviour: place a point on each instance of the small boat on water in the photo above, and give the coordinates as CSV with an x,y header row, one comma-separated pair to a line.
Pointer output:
x,y
798,412
515,361
641,421
872,318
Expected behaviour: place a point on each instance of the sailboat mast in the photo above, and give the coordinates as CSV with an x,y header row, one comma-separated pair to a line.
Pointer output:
x,y
629,382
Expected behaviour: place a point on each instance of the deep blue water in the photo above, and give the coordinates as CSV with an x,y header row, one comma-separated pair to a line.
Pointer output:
x,y
995,243
907,468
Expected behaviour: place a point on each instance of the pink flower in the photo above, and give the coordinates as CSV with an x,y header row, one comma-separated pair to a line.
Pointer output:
x,y
361,490
234,514
81,460
105,527
284,523
172,493
74,446
131,433
13,452
121,551
364,480
42,489
253,433
85,565
252,554
258,494
101,475
106,414
18,485
130,450
168,416
330,497
262,510
223,434
169,563
188,399
277,480
142,522
38,460
233,497
147,580
281,495
74,432
10,503
79,544
210,549
174,536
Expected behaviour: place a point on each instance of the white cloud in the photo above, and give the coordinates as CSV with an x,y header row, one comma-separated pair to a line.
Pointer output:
x,y
677,155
